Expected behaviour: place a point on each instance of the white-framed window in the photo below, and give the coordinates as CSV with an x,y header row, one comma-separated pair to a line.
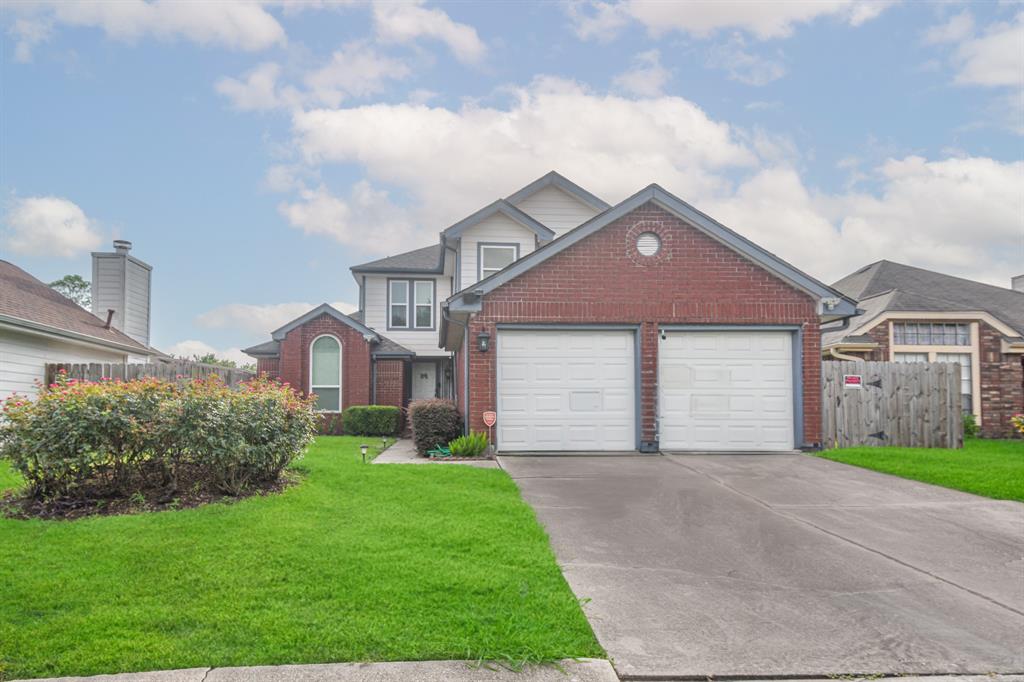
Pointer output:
x,y
411,303
966,375
931,334
398,303
325,373
910,357
495,257
423,305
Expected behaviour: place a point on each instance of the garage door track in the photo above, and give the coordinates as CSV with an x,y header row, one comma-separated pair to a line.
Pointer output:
x,y
772,565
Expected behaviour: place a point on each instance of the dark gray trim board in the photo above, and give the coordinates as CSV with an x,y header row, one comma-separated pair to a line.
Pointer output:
x,y
554,179
506,209
480,255
841,305
324,308
556,327
797,356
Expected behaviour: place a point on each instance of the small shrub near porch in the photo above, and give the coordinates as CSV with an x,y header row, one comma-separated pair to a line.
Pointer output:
x,y
110,446
371,420
435,423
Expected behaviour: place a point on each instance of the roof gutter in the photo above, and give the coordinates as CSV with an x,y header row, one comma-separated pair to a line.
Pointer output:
x,y
38,329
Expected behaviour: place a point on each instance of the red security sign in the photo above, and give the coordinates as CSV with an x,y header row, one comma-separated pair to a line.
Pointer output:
x,y
490,418
853,381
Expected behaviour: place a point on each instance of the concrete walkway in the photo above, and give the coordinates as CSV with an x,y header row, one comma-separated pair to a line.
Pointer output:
x,y
404,452
584,670
781,565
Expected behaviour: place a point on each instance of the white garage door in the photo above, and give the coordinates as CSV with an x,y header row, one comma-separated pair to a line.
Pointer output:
x,y
725,390
566,390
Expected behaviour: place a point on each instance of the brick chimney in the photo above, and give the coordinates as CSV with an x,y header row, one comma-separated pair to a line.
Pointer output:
x,y
1017,283
121,283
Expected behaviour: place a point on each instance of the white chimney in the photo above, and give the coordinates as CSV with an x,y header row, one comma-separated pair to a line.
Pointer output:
x,y
121,283
1017,283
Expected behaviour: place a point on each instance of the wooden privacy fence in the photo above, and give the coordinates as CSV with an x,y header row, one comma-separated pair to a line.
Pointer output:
x,y
908,404
175,369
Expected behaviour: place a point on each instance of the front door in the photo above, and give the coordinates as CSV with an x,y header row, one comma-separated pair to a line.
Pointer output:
x,y
424,380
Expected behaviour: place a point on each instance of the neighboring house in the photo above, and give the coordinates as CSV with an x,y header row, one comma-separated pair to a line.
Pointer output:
x,y
40,326
909,314
586,327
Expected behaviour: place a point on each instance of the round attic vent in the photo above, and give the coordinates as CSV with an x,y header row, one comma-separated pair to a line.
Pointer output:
x,y
648,244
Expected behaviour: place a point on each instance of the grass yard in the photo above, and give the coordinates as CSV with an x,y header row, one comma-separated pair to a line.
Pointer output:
x,y
992,468
356,563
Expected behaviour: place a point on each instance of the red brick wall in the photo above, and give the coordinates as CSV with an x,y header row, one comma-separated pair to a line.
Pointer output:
x,y
880,335
355,358
267,366
693,279
390,383
1002,385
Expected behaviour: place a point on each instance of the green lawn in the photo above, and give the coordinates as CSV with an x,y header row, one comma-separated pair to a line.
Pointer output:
x,y
357,563
993,468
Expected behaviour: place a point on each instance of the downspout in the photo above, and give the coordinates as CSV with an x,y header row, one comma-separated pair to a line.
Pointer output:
x,y
465,364
845,325
840,356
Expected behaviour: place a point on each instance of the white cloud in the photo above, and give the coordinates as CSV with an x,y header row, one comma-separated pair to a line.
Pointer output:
x,y
647,78
355,70
702,18
995,58
49,226
260,319
241,25
190,348
743,66
405,22
257,91
487,152
958,27
958,215
349,220
27,33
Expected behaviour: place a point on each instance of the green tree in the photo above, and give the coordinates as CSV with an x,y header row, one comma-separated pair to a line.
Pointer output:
x,y
74,287
211,359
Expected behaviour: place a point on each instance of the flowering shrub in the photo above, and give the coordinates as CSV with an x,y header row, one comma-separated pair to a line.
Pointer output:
x,y
434,423
1018,422
113,438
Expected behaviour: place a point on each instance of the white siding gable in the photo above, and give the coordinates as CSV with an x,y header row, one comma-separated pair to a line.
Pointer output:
x,y
556,209
23,359
498,229
375,313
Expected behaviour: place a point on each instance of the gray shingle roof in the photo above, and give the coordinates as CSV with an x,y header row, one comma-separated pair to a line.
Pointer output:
x,y
388,347
24,297
886,286
267,349
427,259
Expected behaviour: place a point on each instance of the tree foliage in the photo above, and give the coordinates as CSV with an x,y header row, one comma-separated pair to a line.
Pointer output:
x,y
75,287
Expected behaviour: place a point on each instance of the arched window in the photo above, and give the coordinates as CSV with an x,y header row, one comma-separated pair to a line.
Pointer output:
x,y
325,373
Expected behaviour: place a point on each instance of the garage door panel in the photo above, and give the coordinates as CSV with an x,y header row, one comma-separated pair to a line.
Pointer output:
x,y
590,406
725,390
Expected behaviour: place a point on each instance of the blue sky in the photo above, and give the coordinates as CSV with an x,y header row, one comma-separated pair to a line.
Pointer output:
x,y
253,151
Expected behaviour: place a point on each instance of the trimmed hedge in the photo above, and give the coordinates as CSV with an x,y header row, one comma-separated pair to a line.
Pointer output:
x,y
372,420
434,423
111,438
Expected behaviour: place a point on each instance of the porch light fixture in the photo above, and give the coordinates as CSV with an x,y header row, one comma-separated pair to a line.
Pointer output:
x,y
362,449
483,342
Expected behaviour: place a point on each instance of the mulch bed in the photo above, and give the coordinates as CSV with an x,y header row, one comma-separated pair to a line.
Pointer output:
x,y
15,504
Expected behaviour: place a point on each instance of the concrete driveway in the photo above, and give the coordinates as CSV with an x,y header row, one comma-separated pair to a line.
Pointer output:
x,y
765,565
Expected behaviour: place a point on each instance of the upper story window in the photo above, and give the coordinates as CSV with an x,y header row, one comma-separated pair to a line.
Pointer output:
x,y
931,334
495,257
325,373
411,303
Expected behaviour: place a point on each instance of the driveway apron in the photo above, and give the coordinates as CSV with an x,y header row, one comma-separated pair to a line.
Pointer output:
x,y
768,565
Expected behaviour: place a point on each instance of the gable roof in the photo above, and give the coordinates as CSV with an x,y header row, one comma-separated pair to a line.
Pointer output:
x,y
841,306
505,208
27,302
887,286
427,259
268,349
322,309
554,179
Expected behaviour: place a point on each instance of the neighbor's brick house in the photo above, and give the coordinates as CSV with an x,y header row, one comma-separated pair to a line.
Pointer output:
x,y
585,326
910,314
